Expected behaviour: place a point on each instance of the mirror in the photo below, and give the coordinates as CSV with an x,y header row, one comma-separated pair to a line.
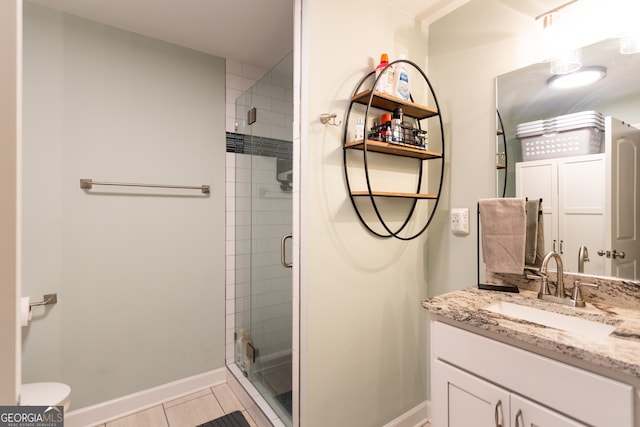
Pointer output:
x,y
523,96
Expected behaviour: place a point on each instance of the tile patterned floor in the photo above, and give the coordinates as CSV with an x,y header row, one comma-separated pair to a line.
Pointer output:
x,y
188,411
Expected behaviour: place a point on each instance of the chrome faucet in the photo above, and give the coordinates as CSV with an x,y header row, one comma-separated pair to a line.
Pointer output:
x,y
544,289
560,297
583,256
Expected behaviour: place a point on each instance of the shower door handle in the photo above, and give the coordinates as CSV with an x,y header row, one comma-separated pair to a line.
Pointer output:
x,y
283,261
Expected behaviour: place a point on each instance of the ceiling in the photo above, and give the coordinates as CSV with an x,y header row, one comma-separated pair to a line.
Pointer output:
x,y
256,32
524,95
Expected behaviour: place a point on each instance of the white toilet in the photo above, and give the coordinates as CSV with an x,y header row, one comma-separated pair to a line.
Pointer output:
x,y
45,394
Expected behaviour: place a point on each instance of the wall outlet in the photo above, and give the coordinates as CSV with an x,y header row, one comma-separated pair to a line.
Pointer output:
x,y
460,221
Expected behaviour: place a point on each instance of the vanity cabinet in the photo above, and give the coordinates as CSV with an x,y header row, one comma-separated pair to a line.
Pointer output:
x,y
473,401
478,381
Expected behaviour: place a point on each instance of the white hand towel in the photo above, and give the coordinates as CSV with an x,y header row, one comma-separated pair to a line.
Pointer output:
x,y
504,226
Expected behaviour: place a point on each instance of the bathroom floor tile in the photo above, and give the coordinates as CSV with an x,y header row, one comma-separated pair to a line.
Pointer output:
x,y
250,420
186,398
227,398
194,412
152,417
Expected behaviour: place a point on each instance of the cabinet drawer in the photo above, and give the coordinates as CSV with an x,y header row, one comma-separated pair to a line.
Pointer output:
x,y
585,396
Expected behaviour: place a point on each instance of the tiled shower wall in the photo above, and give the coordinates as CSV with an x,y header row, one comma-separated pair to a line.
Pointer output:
x,y
269,209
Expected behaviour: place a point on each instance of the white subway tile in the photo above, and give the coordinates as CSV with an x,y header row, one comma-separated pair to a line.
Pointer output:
x,y
240,83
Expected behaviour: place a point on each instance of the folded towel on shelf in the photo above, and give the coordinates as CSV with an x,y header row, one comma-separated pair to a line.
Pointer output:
x,y
504,228
534,246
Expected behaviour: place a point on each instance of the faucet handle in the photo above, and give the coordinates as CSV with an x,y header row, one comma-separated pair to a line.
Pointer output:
x,y
577,293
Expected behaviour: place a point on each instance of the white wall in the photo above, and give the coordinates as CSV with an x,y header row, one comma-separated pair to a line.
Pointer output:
x,y
139,273
362,337
10,85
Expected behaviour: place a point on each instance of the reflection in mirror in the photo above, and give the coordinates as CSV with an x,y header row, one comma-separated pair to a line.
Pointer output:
x,y
589,200
501,157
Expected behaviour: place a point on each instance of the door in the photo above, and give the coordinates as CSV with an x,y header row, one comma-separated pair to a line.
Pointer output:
x,y
539,180
264,215
525,413
581,210
624,145
463,400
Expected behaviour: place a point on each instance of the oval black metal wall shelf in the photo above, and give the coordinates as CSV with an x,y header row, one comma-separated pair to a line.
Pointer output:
x,y
371,98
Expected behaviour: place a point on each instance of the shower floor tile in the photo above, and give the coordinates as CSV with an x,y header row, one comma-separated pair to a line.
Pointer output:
x,y
278,378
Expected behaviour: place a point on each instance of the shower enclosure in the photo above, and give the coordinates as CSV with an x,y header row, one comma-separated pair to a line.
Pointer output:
x,y
263,223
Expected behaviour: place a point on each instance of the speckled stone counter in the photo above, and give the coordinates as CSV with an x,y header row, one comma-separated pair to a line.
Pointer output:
x,y
620,351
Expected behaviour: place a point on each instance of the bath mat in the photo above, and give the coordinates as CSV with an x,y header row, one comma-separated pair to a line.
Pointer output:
x,y
234,419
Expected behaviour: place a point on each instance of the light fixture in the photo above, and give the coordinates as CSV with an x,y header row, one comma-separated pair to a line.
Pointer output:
x,y
583,77
630,42
566,62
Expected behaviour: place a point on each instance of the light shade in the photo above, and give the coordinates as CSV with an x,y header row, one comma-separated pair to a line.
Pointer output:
x,y
582,77
630,43
566,62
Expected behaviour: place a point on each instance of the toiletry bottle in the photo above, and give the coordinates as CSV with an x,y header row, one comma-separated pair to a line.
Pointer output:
x,y
359,131
384,75
385,126
401,80
396,126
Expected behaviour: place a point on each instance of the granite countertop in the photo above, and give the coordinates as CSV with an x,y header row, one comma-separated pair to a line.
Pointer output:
x,y
619,351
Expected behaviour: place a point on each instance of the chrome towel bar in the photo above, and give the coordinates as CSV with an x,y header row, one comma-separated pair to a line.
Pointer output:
x,y
87,184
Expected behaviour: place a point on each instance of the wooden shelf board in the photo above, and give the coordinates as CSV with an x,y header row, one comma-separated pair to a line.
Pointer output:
x,y
388,102
395,149
394,194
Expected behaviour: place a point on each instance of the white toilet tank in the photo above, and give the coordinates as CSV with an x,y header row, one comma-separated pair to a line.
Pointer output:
x,y
45,394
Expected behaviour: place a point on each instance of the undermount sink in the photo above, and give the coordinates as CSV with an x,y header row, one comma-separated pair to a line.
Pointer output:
x,y
576,325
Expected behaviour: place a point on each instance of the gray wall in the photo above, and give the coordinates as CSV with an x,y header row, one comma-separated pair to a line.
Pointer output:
x,y
467,49
363,332
10,66
139,273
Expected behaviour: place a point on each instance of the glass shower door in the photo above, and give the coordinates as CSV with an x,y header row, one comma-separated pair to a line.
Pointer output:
x,y
264,181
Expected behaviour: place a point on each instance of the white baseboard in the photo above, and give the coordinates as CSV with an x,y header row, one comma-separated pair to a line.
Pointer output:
x,y
132,403
415,417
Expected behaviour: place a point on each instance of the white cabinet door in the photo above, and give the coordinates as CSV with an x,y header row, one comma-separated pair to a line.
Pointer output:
x,y
464,400
539,180
525,413
573,196
582,210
